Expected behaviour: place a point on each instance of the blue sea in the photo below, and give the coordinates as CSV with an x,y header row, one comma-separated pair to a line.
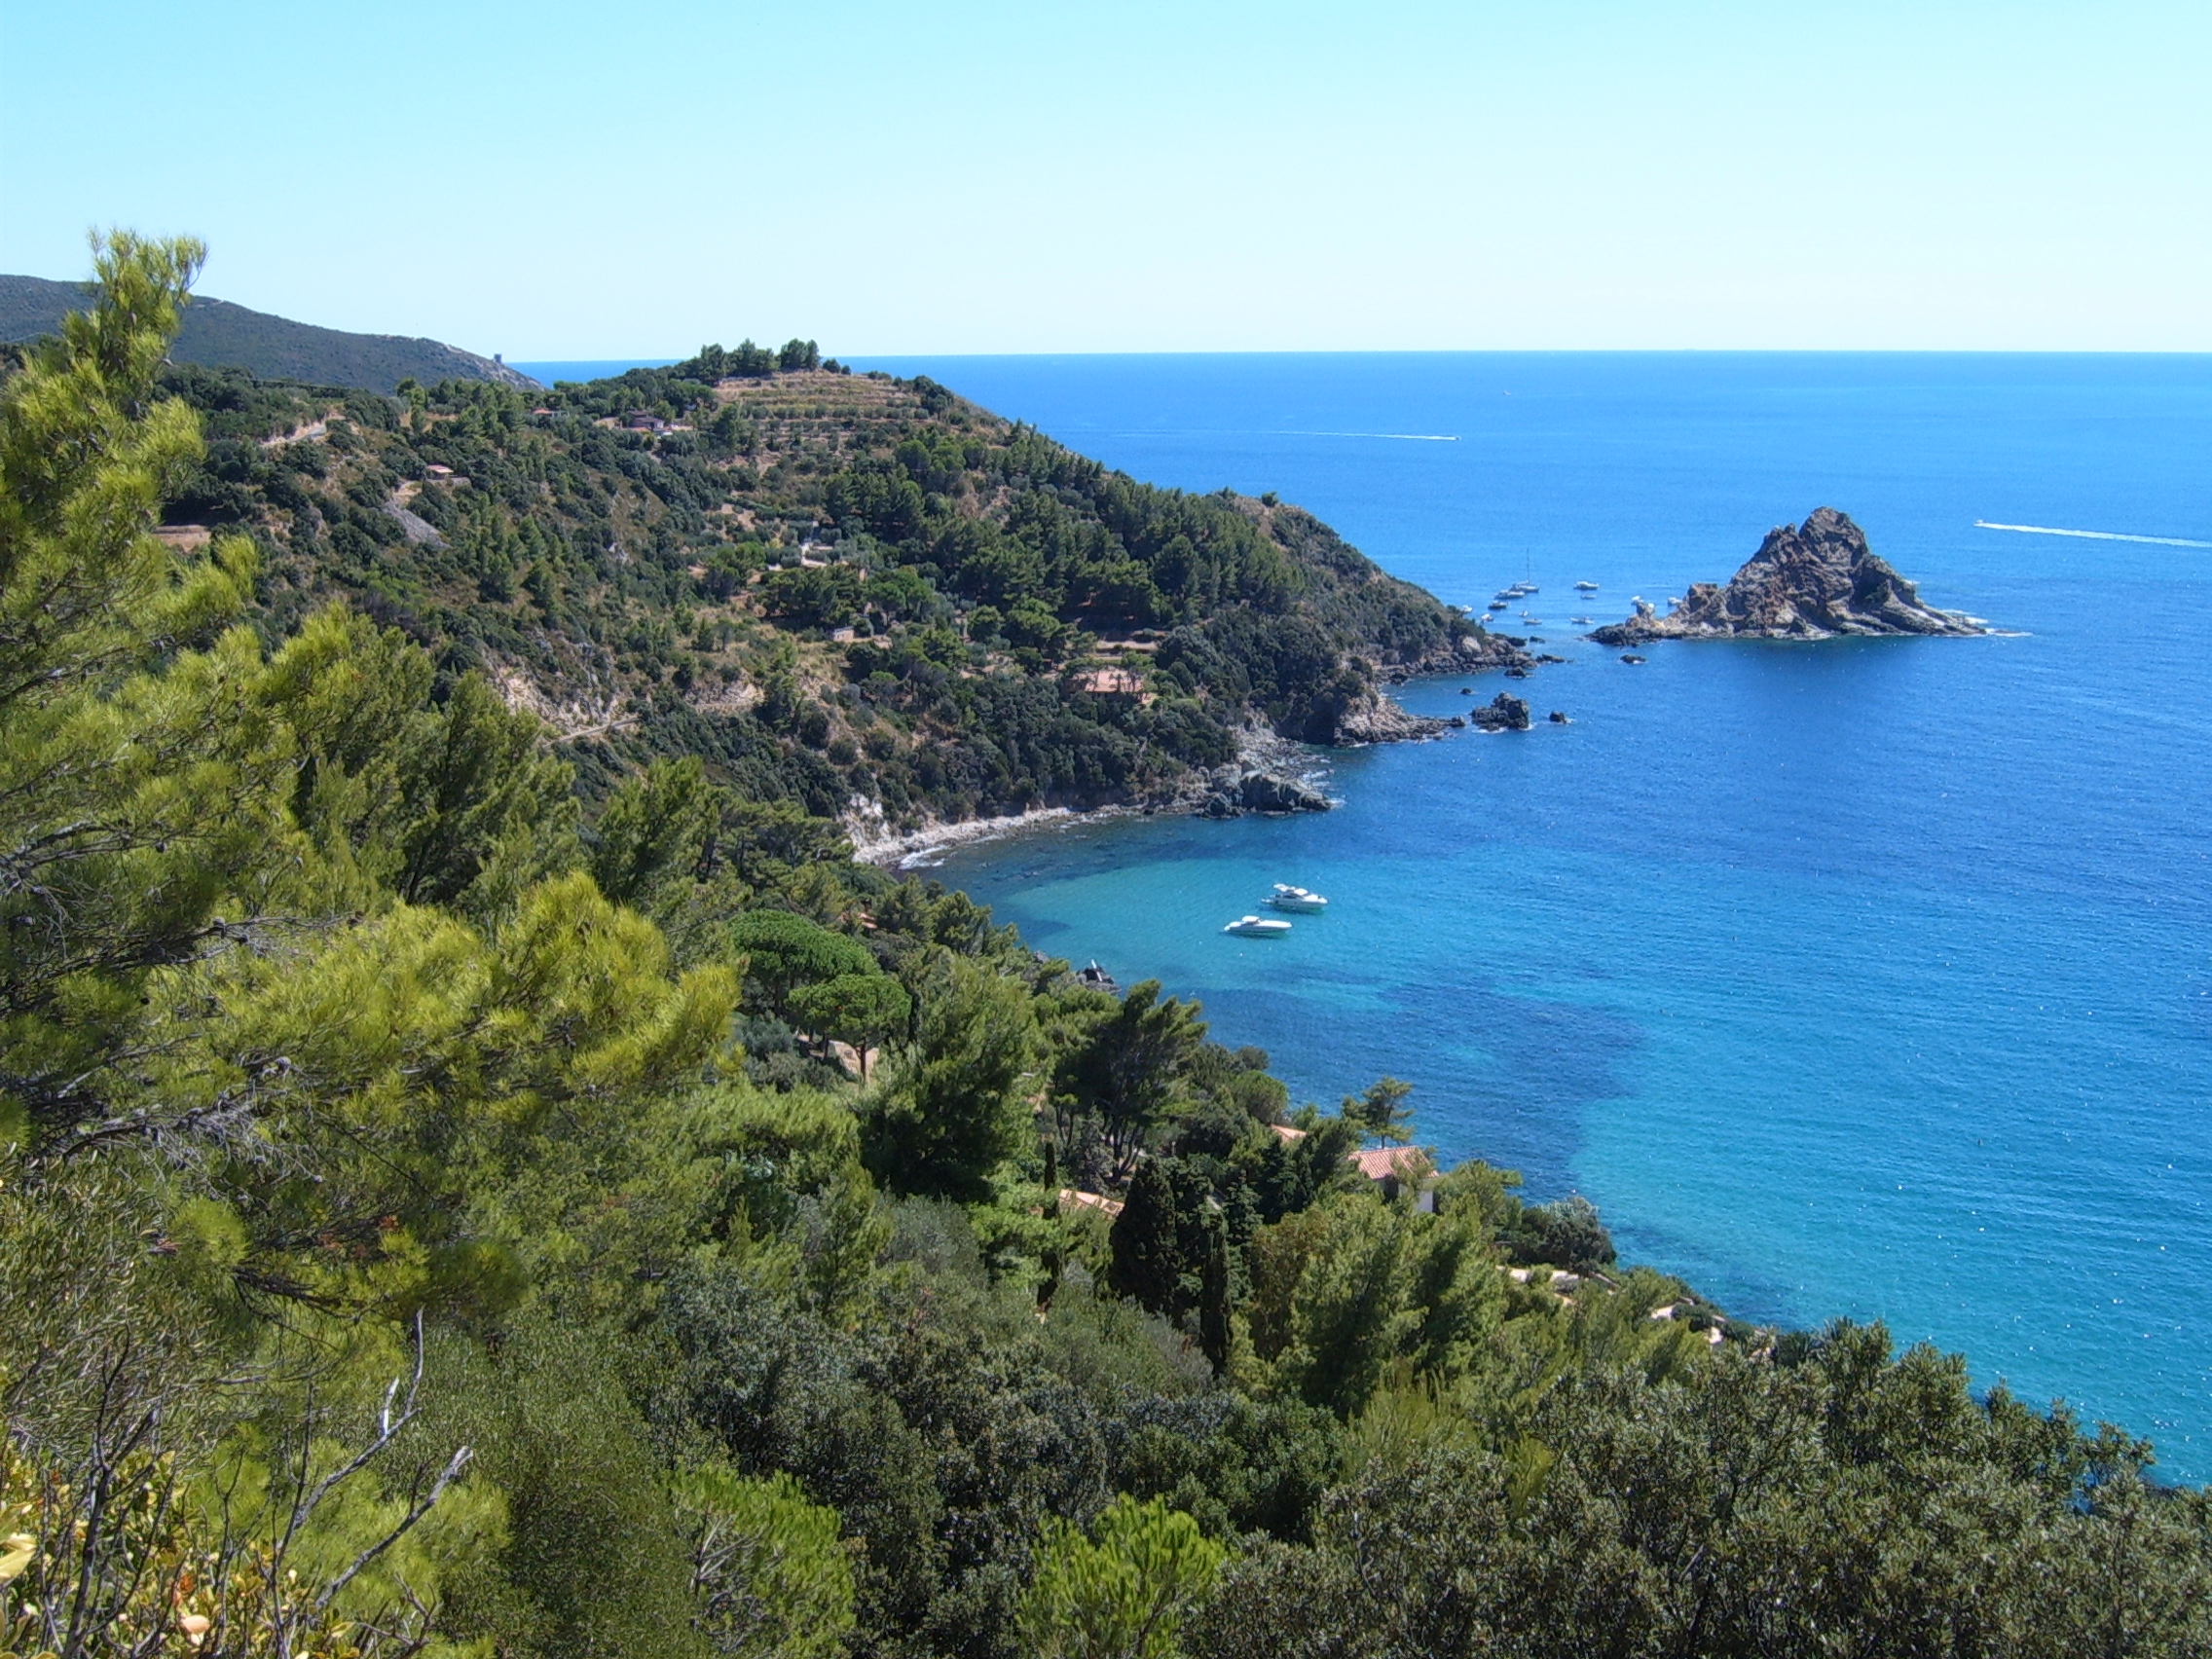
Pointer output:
x,y
549,374
1866,978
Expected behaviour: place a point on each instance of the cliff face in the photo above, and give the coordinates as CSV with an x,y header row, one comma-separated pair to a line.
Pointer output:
x,y
1808,582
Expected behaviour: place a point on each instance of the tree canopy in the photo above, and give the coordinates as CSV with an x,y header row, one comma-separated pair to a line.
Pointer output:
x,y
435,1217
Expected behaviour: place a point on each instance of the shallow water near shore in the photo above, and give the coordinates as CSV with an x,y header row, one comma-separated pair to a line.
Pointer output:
x,y
1871,978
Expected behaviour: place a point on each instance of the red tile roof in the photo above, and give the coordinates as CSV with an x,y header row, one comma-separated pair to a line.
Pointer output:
x,y
1383,1162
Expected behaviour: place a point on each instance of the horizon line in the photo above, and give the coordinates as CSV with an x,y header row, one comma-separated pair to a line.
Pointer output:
x,y
513,357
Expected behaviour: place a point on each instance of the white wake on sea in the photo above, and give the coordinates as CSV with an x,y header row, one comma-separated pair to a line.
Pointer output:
x,y
2091,535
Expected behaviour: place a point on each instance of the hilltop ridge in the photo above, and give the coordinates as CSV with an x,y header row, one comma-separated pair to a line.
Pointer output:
x,y
217,334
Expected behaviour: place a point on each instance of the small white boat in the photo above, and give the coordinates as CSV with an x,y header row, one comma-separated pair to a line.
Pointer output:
x,y
1258,927
1585,587
1583,621
1289,897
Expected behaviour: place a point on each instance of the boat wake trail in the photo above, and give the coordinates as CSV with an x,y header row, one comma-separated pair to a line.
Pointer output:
x,y
1402,437
2091,535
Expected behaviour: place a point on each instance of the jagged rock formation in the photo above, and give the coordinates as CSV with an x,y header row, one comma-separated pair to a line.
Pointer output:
x,y
1809,582
1503,714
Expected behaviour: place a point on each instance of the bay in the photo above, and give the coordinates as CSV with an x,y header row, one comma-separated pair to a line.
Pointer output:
x,y
1868,977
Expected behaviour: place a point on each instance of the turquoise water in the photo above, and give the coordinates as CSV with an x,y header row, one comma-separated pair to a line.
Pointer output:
x,y
1870,977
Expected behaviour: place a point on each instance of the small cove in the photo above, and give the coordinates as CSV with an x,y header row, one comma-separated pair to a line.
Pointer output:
x,y
1864,979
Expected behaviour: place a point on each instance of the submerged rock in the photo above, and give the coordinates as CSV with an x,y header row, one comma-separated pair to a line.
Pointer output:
x,y
1811,581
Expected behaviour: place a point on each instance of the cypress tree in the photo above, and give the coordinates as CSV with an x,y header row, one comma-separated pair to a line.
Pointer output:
x,y
1146,1263
1216,1329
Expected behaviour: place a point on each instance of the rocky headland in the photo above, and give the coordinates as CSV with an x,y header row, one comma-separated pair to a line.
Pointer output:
x,y
1809,582
1371,715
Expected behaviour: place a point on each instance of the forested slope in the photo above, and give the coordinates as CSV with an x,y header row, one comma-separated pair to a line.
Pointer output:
x,y
217,334
858,595
427,1227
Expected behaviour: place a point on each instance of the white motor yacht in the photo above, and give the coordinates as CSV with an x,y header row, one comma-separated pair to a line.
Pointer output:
x,y
1258,927
1585,587
1289,897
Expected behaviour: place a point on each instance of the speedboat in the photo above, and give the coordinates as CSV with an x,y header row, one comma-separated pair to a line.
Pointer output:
x,y
1583,621
1585,587
1289,897
1497,604
1258,927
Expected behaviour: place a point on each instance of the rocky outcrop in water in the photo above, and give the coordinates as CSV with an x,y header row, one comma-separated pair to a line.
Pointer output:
x,y
1235,794
1503,714
1811,581
1263,793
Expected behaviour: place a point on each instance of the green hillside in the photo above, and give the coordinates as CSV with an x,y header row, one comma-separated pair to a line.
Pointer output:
x,y
443,1217
218,334
864,596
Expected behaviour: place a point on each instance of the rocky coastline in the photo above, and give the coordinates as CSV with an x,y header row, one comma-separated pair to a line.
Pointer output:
x,y
1811,581
1272,773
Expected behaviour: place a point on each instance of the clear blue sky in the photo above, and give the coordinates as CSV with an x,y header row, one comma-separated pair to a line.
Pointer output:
x,y
560,179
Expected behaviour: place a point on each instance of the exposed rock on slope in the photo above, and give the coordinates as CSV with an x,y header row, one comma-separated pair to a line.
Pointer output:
x,y
1373,718
1811,582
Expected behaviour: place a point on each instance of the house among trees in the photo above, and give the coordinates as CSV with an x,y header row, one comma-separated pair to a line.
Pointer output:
x,y
1072,1199
1110,682
1392,1168
1395,1168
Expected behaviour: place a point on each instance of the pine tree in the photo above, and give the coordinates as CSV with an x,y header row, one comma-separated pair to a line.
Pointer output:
x,y
142,762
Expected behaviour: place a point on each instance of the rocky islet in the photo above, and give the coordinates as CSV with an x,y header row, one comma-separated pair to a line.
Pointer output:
x,y
1811,581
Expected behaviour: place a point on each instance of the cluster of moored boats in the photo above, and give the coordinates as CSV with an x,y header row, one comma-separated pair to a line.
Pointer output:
x,y
1507,597
1284,897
